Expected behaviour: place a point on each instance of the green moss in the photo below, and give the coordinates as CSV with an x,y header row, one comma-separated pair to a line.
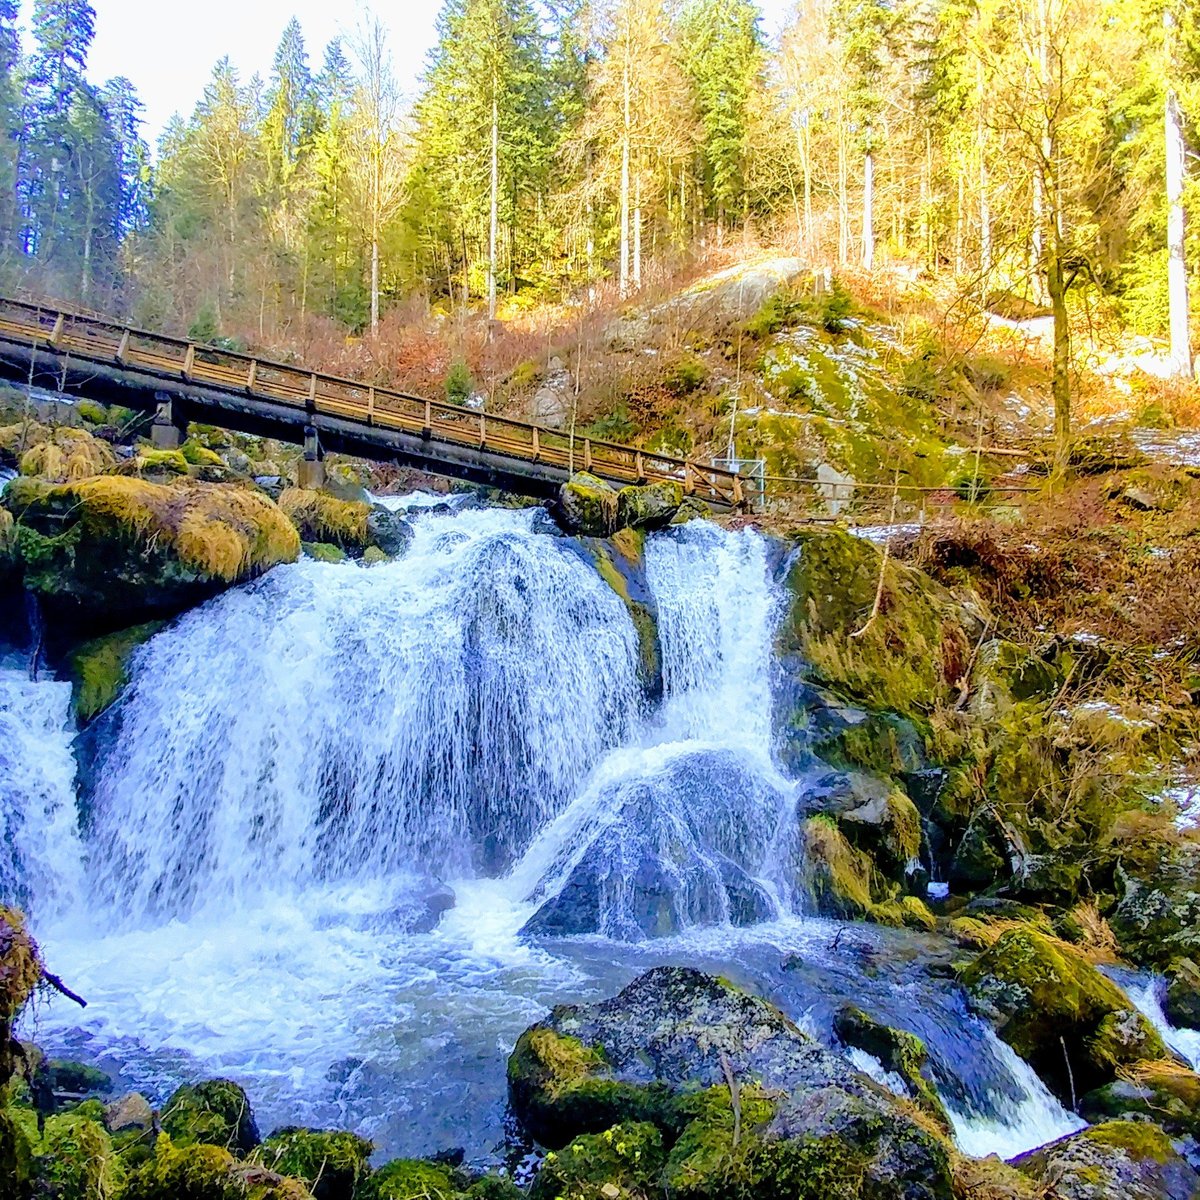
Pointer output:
x,y
90,411
16,1156
1139,1139
77,1160
215,1112
172,462
627,1157
411,1179
323,552
620,561
320,517
560,1088
199,455
373,555
333,1163
906,659
100,668
1057,1011
836,875
587,505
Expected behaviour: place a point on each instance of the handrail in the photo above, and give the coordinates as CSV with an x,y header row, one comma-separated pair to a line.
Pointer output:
x,y
66,333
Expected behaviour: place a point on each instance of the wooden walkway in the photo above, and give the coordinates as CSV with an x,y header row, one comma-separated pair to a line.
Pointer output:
x,y
71,352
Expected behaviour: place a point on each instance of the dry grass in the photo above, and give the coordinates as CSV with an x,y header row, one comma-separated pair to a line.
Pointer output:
x,y
71,455
321,517
1098,944
221,530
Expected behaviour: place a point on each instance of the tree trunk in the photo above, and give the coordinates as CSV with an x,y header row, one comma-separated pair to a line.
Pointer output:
x,y
1056,287
624,274
494,217
868,234
637,233
375,278
1177,274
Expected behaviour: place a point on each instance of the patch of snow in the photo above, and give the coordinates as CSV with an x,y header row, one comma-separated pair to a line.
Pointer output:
x,y
937,891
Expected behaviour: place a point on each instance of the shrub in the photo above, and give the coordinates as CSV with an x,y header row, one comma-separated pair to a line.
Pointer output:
x,y
459,383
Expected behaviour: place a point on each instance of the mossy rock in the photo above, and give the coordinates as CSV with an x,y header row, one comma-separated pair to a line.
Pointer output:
x,y
587,506
20,973
77,1160
412,1179
322,518
561,1089
900,1052
99,669
649,507
323,552
206,1172
1157,920
1132,1160
216,1112
64,454
16,1156
620,561
1182,1005
91,412
625,1161
113,549
887,825
332,1163
907,659
1070,1022
1162,1092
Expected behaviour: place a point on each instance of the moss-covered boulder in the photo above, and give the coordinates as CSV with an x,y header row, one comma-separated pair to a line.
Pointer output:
x,y
332,1163
20,974
911,655
65,454
587,506
1119,1160
622,1163
899,1051
320,517
16,1156
839,880
111,550
413,1179
1157,919
1071,1023
206,1172
77,1160
649,507
1164,1092
751,1105
216,1112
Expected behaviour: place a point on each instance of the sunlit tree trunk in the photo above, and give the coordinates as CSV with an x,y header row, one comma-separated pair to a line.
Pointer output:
x,y
1177,274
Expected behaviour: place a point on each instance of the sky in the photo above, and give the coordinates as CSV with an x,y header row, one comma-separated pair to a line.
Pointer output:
x,y
168,49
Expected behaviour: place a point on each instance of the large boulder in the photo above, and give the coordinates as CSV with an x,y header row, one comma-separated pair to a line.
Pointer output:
x,y
1071,1023
587,505
1182,1004
737,1091
1158,917
333,1164
322,518
214,1112
651,506
206,1172
1119,1160
1163,1092
388,531
111,550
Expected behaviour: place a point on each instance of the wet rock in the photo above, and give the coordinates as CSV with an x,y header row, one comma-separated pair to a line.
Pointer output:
x,y
1158,917
324,518
388,530
1182,1005
900,1052
413,1179
670,858
132,1111
333,1164
215,1112
622,1163
1070,1022
1126,1159
1139,498
649,507
587,506
883,821
756,1107
99,669
76,1078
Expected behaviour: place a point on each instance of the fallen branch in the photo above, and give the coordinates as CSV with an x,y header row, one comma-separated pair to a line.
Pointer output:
x,y
57,984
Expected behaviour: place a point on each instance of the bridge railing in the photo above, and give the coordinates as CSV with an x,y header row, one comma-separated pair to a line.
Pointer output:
x,y
173,359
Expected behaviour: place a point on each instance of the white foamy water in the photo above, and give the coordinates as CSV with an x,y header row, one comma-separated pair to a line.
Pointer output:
x,y
40,852
1031,1118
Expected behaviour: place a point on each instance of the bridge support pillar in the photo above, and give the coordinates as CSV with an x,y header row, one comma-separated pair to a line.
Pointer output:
x,y
311,471
167,432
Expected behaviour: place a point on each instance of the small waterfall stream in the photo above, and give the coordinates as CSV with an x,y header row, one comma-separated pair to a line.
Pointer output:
x,y
338,810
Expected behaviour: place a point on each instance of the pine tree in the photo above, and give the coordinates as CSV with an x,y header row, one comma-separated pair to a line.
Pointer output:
x,y
722,54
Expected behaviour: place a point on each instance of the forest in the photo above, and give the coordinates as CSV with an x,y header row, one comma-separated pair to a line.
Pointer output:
x,y
550,148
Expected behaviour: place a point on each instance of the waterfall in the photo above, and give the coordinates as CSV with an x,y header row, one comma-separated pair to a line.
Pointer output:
x,y
40,853
689,824
1147,993
328,722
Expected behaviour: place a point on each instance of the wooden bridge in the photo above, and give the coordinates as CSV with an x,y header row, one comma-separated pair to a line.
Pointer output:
x,y
182,381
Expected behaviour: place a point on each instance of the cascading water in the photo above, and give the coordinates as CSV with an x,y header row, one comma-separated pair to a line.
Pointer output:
x,y
328,723
40,853
298,763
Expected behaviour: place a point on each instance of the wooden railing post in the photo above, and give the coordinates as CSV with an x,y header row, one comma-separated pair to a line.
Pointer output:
x,y
123,348
482,431
311,403
189,360
56,332
537,444
252,375
427,428
641,472
371,405
737,491
587,454
689,481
